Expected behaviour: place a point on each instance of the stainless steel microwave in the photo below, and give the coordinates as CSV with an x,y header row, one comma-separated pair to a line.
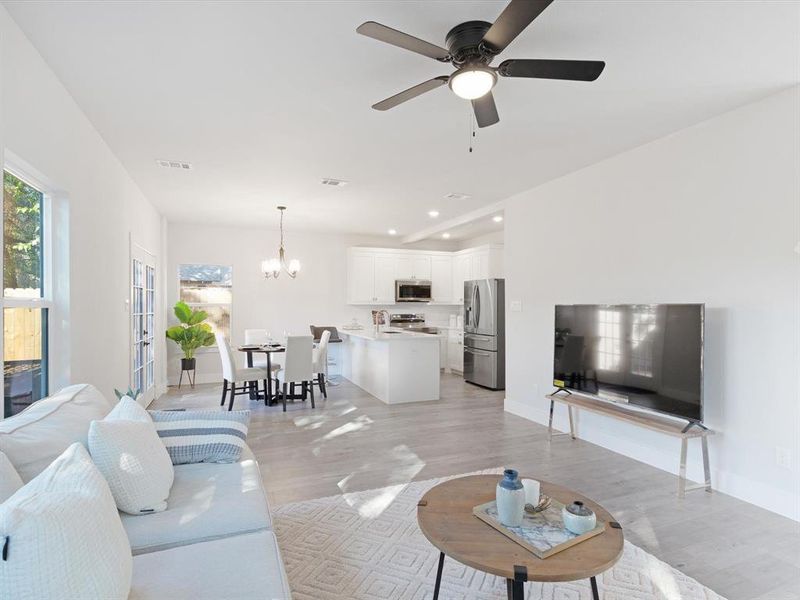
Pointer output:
x,y
412,290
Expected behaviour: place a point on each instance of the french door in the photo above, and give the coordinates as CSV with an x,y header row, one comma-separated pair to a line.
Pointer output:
x,y
143,303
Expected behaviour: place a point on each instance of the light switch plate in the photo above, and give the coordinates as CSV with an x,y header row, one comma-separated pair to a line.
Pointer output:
x,y
516,306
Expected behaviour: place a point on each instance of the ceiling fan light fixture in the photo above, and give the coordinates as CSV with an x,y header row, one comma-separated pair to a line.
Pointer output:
x,y
472,81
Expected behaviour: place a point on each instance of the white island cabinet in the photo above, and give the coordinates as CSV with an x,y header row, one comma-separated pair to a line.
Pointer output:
x,y
394,366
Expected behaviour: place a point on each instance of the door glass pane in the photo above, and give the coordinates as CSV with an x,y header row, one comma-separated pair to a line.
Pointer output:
x,y
24,357
22,238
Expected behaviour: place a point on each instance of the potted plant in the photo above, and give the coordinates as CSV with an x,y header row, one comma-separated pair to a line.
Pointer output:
x,y
191,334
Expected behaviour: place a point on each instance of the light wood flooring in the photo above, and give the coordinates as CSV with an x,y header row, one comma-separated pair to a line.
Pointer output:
x,y
354,442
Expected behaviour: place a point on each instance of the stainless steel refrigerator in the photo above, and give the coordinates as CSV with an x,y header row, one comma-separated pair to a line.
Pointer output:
x,y
485,333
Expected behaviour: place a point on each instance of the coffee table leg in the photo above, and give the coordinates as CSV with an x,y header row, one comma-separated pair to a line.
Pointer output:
x,y
595,593
515,589
438,576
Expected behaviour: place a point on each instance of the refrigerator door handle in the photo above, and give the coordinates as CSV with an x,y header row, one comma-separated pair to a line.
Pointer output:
x,y
476,303
477,352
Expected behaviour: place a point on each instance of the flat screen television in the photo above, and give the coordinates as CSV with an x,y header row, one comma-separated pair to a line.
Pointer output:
x,y
647,355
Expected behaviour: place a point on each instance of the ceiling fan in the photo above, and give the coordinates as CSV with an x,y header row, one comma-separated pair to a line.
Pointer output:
x,y
471,48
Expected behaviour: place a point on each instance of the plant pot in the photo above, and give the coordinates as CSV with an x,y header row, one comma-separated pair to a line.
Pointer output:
x,y
188,364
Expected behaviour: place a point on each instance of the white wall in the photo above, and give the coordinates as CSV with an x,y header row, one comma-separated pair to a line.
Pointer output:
x,y
317,296
102,207
708,214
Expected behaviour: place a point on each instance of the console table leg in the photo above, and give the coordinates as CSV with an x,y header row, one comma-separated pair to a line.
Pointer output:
x,y
438,577
682,471
550,424
515,589
706,466
571,424
595,592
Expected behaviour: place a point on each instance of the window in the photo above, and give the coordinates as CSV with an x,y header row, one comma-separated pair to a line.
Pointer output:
x,y
209,288
25,294
609,350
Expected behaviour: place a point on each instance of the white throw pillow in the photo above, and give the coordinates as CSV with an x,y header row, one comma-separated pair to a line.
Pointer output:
x,y
128,409
135,463
39,434
10,481
63,536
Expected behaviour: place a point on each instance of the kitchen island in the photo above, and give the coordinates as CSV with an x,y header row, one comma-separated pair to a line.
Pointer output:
x,y
395,366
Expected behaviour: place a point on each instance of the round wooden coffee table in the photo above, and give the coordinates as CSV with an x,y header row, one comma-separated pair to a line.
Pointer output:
x,y
445,517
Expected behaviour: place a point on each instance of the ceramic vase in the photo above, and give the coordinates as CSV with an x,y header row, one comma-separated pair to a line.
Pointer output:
x,y
510,499
578,518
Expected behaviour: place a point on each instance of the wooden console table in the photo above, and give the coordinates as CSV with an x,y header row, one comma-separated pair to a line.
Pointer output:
x,y
642,419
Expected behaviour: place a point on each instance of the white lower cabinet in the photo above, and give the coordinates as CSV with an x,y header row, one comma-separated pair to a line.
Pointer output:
x,y
455,351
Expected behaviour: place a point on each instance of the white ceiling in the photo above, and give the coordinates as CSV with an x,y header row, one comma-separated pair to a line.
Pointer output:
x,y
265,99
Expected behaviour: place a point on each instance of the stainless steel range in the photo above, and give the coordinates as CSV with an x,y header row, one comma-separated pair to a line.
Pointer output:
x,y
412,321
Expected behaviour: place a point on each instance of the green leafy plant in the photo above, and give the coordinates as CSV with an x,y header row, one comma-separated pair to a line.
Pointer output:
x,y
131,393
192,333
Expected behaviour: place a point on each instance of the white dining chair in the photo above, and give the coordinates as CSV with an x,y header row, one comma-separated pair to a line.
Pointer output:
x,y
298,366
231,375
320,362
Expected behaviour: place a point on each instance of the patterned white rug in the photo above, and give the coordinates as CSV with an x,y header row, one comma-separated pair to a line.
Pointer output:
x,y
367,545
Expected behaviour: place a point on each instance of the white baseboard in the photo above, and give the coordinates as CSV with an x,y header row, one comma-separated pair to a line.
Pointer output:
x,y
199,378
758,493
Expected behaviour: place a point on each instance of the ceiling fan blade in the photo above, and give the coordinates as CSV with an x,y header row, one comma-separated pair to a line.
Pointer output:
x,y
574,70
485,110
516,17
402,40
410,93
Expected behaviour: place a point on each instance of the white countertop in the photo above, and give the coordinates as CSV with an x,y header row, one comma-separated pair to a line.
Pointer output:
x,y
368,333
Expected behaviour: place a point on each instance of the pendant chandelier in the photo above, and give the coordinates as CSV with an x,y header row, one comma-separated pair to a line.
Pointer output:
x,y
272,267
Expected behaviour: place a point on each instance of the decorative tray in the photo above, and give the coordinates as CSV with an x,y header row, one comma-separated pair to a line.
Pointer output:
x,y
542,533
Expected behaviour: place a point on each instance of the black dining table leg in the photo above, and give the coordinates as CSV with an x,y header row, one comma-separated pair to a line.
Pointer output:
x,y
268,398
595,592
438,577
515,589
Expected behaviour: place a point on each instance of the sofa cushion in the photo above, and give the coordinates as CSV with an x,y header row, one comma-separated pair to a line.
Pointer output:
x,y
128,409
39,434
10,481
241,567
135,463
195,436
63,536
207,501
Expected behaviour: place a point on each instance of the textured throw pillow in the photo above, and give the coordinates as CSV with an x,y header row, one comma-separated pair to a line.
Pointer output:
x,y
136,465
195,436
128,409
63,537
10,481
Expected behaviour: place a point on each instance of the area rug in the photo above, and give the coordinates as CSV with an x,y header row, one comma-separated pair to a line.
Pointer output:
x,y
367,546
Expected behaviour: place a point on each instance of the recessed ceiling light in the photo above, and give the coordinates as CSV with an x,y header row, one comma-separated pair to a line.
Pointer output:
x,y
497,219
392,232
446,236
433,213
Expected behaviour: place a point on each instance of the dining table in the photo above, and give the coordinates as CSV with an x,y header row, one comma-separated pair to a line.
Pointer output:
x,y
267,349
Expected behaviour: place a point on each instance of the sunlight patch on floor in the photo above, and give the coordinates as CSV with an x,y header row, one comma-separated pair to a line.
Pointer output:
x,y
356,424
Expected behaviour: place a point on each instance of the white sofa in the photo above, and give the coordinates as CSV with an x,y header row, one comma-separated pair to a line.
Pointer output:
x,y
214,541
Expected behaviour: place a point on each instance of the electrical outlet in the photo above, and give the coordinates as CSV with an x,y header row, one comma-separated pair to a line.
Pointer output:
x,y
516,306
783,457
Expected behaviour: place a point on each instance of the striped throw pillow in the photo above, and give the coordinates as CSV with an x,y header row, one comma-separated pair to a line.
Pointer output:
x,y
196,436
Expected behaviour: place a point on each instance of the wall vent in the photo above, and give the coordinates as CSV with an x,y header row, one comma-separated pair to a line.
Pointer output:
x,y
454,196
333,182
173,164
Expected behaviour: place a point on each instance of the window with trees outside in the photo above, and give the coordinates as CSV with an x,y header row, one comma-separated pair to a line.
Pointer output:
x,y
25,303
209,288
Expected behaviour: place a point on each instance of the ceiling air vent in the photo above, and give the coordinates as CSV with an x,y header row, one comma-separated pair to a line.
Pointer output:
x,y
454,196
173,164
333,182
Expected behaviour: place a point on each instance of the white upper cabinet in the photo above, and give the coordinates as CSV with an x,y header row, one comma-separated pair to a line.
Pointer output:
x,y
361,278
421,267
442,278
385,275
371,272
